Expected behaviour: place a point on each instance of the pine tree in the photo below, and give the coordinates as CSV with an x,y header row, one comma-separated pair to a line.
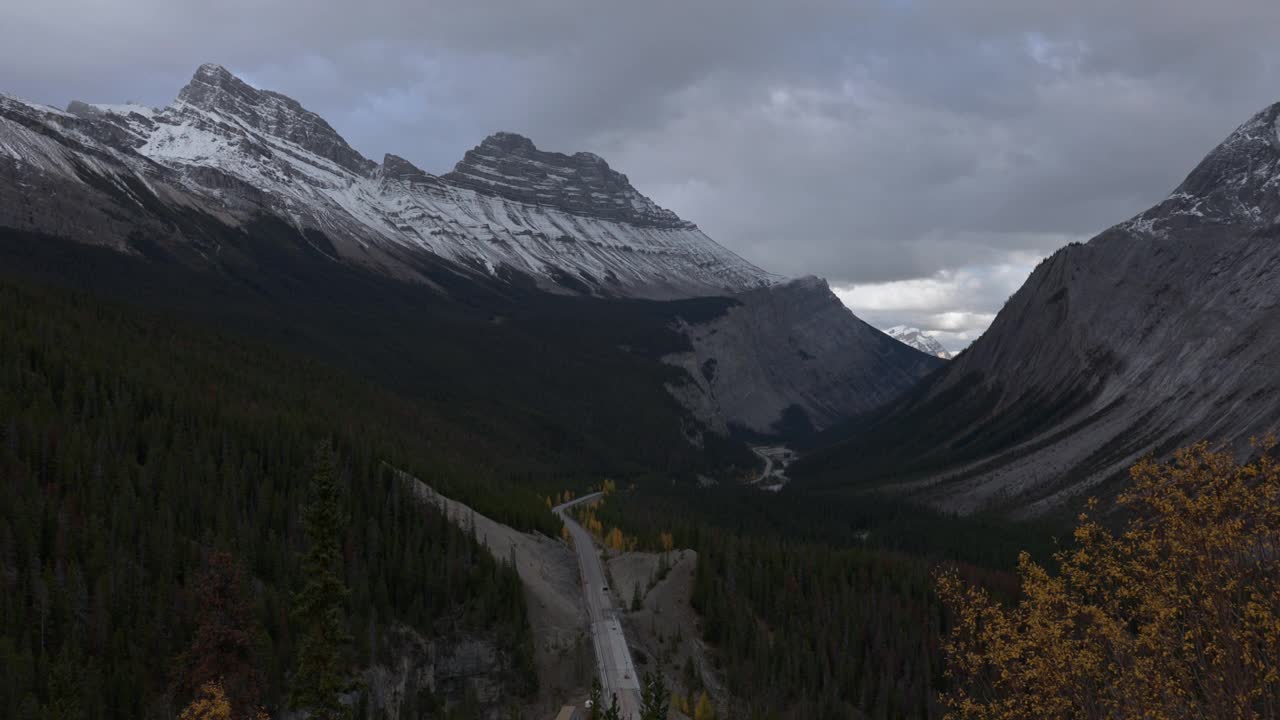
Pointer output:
x,y
318,607
614,712
654,700
637,600
222,650
65,692
692,678
597,704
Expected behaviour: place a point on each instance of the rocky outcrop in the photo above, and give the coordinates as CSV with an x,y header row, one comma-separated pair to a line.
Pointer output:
x,y
791,359
420,676
509,166
397,169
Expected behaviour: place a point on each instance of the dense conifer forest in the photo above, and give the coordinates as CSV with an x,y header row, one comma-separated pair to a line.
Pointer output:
x,y
556,388
818,607
133,449
140,446
805,631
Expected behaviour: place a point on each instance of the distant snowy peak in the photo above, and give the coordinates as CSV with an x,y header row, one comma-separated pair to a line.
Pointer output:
x,y
569,222
916,338
510,166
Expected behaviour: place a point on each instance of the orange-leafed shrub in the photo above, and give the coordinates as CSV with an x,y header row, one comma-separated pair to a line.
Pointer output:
x,y
1177,616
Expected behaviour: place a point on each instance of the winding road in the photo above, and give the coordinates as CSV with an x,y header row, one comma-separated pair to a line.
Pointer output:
x,y
613,657
776,458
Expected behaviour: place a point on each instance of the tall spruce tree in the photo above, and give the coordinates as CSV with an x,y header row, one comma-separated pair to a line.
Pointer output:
x,y
614,712
596,701
654,699
222,650
318,607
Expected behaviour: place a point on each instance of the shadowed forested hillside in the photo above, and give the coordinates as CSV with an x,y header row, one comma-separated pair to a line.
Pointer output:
x,y
132,447
820,607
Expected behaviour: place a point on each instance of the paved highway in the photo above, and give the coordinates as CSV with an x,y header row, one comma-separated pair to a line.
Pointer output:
x,y
768,464
613,658
776,458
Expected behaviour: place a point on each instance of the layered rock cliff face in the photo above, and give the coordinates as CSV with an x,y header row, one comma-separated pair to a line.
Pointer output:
x,y
1159,332
419,674
508,165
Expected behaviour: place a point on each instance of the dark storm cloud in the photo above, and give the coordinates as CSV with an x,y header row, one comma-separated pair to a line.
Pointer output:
x,y
926,149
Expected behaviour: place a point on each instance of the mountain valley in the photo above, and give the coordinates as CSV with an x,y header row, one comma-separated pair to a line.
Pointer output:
x,y
275,415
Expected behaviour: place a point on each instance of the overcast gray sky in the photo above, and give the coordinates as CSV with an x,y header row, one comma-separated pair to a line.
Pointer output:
x,y
922,155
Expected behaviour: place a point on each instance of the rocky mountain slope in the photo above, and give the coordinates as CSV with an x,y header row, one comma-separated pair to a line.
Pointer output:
x,y
224,158
1158,332
916,338
778,362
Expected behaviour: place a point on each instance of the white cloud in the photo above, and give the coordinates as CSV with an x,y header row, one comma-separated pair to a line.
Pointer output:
x,y
920,155
955,306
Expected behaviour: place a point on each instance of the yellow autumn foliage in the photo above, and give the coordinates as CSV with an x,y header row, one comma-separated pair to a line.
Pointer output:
x,y
704,710
1178,616
210,704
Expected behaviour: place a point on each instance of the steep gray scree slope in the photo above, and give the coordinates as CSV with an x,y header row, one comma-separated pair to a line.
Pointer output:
x,y
779,362
131,177
1159,332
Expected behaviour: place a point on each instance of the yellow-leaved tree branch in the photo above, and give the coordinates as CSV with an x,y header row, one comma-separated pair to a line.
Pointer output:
x,y
1177,616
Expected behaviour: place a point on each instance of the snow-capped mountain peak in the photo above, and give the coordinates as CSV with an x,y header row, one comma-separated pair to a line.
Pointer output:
x,y
918,339
568,222
213,89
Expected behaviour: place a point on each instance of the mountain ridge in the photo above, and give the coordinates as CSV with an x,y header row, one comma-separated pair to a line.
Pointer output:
x,y
189,180
227,149
1156,333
